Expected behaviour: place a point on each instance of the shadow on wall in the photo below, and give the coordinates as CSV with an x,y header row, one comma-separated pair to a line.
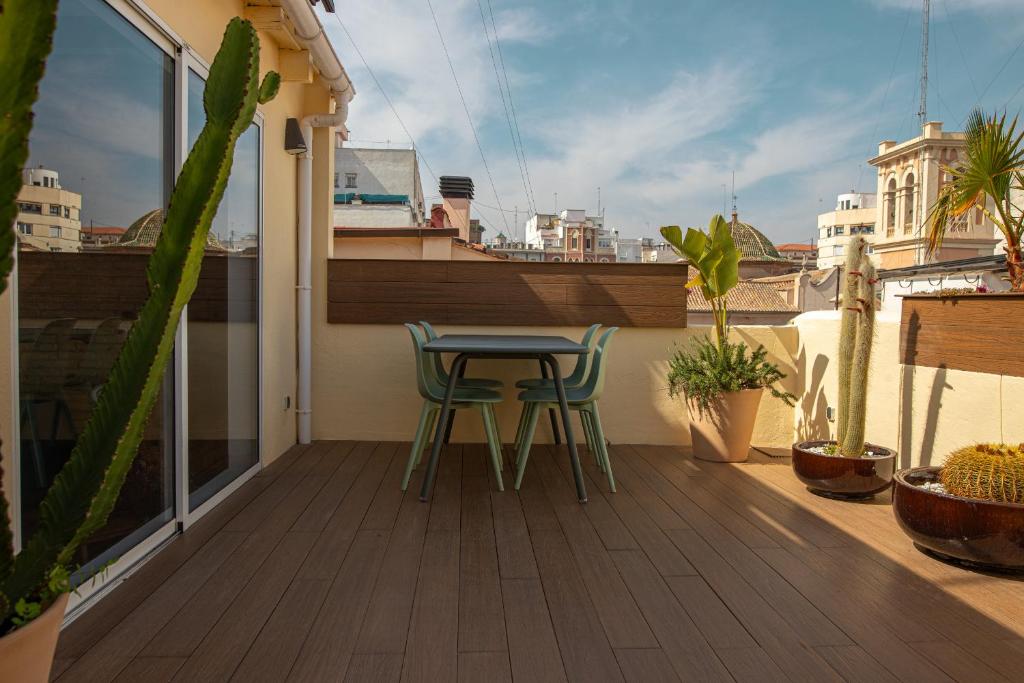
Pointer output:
x,y
812,422
939,383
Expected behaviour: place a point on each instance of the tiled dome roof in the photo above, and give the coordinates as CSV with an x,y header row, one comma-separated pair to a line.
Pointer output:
x,y
144,231
752,243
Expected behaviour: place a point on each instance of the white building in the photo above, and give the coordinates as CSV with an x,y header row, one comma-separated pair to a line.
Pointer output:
x,y
855,214
571,235
377,188
632,249
49,216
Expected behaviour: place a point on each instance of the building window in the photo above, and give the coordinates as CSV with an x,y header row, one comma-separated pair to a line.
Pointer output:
x,y
30,207
24,228
54,209
336,181
828,231
54,231
839,250
350,180
840,230
590,244
908,204
890,206
67,212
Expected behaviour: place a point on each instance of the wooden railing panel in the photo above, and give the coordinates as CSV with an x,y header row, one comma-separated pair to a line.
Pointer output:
x,y
506,293
976,333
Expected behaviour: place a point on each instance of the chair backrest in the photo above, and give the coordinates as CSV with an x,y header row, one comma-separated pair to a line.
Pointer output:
x,y
431,336
594,386
578,372
427,382
99,356
48,363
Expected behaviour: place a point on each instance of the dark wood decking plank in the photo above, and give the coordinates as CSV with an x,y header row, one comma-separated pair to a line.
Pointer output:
x,y
328,555
960,664
431,652
533,648
586,653
648,665
328,647
511,536
623,622
150,670
119,645
278,644
384,509
222,650
481,613
752,665
605,519
354,455
489,667
717,624
680,638
374,667
768,628
854,664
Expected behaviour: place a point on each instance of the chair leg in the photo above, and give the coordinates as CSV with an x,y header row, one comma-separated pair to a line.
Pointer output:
x,y
528,410
520,427
492,442
28,409
599,433
588,432
524,447
426,413
435,411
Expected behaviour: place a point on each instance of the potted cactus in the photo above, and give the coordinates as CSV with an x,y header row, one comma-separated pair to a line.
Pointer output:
x,y
849,467
970,510
35,582
722,381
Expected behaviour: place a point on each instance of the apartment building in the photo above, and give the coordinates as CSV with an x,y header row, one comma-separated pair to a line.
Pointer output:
x,y
855,213
376,188
571,236
49,216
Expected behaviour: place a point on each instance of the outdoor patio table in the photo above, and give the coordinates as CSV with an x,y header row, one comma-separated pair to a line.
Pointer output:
x,y
512,346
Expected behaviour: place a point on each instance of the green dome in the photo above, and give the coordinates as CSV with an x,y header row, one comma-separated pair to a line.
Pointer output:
x,y
145,230
751,242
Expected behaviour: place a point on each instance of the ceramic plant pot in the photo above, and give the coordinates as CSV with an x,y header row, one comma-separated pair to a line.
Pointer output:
x,y
722,433
26,655
977,533
843,478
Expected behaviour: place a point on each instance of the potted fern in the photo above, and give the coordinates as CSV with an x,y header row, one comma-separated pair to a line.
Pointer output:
x,y
850,468
34,583
970,510
722,381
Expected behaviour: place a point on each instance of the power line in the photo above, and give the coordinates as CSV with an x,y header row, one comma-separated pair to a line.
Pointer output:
x,y
465,106
512,106
959,47
385,95
504,103
994,79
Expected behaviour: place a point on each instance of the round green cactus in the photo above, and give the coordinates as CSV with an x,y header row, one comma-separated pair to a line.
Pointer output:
x,y
988,471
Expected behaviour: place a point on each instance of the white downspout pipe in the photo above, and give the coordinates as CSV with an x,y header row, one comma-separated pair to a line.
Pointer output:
x,y
310,34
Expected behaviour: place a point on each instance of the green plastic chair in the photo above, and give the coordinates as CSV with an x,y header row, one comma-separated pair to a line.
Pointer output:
x,y
433,390
582,398
578,373
442,374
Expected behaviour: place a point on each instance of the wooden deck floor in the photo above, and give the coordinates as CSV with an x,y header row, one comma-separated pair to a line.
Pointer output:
x,y
320,569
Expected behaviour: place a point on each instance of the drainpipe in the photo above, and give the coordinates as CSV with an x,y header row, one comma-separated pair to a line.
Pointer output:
x,y
310,35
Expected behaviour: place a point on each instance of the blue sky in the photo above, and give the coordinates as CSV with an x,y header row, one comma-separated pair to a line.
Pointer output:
x,y
658,101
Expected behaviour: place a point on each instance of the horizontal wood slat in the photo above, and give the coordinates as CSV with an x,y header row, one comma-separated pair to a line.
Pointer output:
x,y
98,285
506,293
976,333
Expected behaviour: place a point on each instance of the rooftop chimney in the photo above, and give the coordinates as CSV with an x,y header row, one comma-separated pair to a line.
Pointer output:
x,y
457,193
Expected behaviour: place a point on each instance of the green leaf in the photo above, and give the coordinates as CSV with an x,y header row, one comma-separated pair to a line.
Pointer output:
x,y
674,236
694,246
83,494
269,86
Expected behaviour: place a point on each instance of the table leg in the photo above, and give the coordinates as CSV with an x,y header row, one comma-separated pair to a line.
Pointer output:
x,y
563,404
442,421
551,411
451,417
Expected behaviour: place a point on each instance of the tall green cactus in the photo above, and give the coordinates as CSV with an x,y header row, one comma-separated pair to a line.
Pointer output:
x,y
26,38
87,487
856,248
852,444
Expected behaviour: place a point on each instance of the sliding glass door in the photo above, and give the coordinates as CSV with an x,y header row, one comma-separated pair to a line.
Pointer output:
x,y
119,107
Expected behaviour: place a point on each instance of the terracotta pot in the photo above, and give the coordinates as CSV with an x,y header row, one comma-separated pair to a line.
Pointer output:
x,y
26,655
722,433
973,532
843,478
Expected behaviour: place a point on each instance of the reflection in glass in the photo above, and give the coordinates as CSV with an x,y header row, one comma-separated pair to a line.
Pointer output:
x,y
100,163
223,337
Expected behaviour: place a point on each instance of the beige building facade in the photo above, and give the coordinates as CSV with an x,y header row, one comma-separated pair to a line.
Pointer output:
x,y
856,213
910,176
49,216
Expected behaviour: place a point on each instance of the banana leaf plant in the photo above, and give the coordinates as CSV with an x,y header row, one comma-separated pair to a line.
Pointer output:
x,y
717,261
989,178
84,492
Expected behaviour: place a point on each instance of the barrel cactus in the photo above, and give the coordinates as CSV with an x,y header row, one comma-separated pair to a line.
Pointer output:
x,y
987,471
856,338
83,494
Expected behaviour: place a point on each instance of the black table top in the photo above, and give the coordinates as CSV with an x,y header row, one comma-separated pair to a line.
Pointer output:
x,y
499,344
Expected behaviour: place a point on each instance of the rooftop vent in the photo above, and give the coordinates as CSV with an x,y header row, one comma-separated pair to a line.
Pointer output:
x,y
456,186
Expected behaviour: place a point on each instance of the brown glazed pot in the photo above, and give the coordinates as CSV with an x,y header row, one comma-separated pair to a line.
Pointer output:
x,y
843,478
978,533
722,434
26,655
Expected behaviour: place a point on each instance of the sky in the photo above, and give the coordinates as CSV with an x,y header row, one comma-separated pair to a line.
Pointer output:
x,y
658,102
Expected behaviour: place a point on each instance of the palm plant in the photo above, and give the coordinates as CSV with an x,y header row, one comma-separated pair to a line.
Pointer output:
x,y
83,494
987,178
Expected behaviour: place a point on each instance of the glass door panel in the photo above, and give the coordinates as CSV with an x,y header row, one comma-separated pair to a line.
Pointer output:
x,y
223,326
90,208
